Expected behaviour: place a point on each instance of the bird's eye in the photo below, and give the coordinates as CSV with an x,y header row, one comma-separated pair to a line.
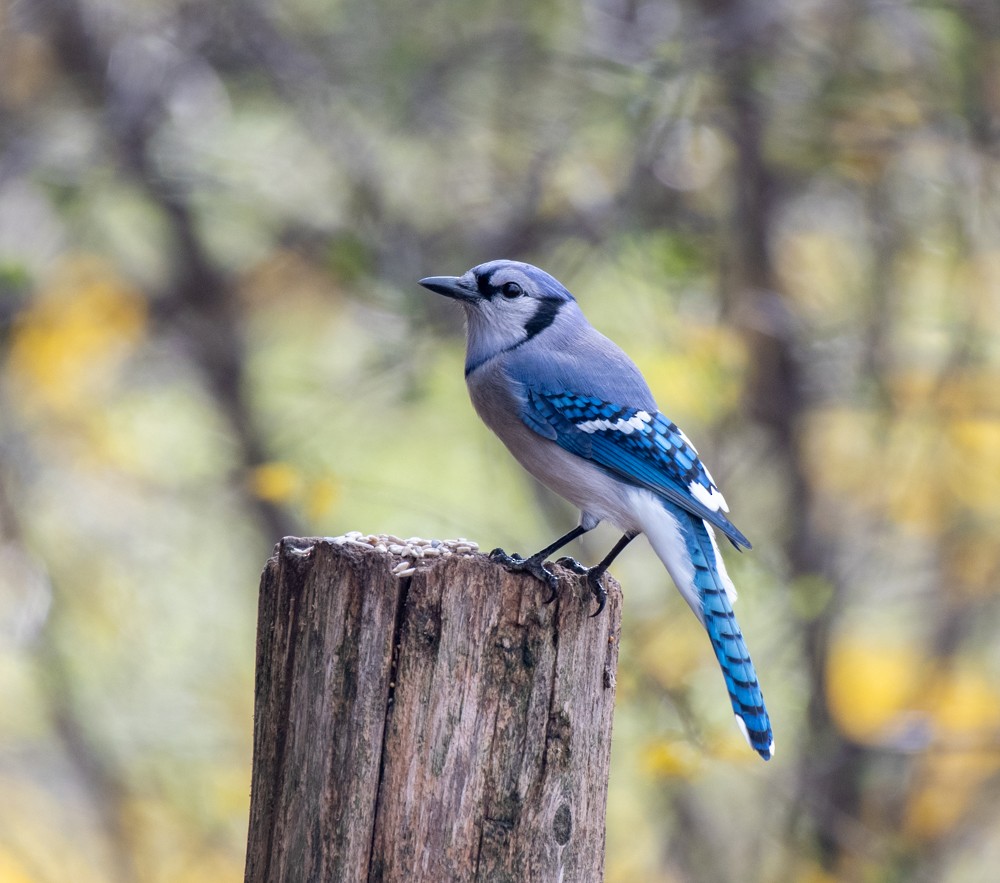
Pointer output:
x,y
510,289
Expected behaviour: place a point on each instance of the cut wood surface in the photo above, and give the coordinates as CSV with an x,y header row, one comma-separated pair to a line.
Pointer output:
x,y
444,726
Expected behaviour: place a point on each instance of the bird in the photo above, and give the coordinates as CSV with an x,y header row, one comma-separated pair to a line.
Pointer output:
x,y
575,411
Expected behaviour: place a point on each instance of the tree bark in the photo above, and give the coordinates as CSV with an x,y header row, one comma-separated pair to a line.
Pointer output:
x,y
446,726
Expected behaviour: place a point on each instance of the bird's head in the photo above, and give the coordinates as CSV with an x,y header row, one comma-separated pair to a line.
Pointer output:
x,y
506,304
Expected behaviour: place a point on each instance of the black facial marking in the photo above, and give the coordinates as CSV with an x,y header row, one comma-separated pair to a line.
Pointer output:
x,y
485,289
544,316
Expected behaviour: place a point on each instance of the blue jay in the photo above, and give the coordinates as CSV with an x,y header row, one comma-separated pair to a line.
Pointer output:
x,y
575,412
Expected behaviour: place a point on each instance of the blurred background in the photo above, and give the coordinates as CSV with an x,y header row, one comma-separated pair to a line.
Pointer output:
x,y
212,220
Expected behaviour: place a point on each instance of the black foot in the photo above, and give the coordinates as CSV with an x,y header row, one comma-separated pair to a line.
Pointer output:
x,y
594,581
534,566
594,575
573,565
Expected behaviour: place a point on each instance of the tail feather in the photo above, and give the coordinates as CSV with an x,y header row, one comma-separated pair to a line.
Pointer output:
x,y
727,639
686,546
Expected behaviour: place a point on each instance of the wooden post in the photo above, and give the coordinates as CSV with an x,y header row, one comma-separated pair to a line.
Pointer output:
x,y
444,726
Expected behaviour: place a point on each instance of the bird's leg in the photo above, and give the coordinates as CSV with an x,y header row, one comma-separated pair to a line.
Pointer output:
x,y
535,564
595,573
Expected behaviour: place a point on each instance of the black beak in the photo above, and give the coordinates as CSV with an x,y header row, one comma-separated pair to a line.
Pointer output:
x,y
450,286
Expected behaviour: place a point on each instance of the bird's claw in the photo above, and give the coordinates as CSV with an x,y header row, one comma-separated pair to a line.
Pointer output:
x,y
573,565
499,556
597,588
516,564
594,575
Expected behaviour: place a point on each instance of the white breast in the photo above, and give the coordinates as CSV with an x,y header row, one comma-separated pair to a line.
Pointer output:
x,y
586,486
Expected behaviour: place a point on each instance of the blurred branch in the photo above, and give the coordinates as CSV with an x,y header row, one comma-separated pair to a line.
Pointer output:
x,y
828,764
199,302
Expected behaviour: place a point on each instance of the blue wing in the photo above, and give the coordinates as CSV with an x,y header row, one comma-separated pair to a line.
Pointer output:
x,y
639,446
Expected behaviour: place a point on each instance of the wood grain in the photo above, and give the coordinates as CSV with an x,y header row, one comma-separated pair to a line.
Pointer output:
x,y
445,726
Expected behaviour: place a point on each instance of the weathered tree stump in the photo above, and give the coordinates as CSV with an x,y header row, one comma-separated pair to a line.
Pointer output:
x,y
446,726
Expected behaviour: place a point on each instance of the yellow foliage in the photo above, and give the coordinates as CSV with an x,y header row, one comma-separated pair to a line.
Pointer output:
x,y
69,343
840,448
949,782
12,871
210,868
322,497
910,465
676,759
52,839
276,481
874,692
973,469
964,709
872,687
914,390
920,469
627,867
815,874
964,705
815,268
700,377
284,483
672,652
727,744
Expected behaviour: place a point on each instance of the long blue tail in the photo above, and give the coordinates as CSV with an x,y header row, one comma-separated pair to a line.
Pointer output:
x,y
727,639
